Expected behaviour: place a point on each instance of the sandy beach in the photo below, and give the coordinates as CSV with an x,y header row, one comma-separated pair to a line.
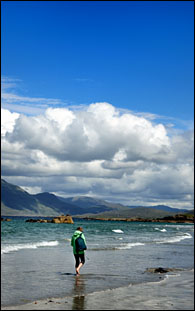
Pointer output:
x,y
175,292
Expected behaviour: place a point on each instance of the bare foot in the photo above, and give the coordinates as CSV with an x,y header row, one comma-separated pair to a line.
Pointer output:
x,y
77,272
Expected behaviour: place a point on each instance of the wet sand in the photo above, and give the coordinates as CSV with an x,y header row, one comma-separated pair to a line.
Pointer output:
x,y
175,292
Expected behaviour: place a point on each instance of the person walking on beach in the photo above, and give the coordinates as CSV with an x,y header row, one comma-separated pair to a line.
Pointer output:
x,y
78,243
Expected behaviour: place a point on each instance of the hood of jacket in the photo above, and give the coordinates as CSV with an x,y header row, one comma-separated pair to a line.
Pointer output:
x,y
77,233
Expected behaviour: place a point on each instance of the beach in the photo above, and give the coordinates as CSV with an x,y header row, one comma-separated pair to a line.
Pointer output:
x,y
174,292
38,266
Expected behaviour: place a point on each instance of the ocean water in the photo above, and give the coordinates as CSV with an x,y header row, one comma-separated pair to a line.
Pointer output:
x,y
37,260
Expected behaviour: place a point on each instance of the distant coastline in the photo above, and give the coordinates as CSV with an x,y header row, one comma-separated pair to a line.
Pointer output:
x,y
170,219
179,218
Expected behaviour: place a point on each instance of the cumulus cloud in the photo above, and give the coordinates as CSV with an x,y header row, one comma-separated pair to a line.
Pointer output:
x,y
101,151
98,133
7,121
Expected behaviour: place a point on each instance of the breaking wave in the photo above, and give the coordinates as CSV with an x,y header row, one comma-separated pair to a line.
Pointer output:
x,y
175,239
129,245
17,247
162,230
117,231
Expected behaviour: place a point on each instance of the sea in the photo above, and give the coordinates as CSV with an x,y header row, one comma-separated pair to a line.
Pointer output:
x,y
37,261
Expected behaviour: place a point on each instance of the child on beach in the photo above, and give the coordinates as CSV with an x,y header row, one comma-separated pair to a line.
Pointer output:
x,y
78,254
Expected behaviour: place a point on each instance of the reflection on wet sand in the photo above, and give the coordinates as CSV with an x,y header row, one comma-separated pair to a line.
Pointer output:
x,y
78,302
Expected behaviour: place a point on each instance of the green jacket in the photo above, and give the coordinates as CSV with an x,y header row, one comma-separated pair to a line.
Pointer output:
x,y
74,237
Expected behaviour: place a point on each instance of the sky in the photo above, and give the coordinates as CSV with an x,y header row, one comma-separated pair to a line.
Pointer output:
x,y
97,99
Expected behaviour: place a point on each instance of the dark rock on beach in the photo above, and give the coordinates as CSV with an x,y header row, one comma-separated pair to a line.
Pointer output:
x,y
161,270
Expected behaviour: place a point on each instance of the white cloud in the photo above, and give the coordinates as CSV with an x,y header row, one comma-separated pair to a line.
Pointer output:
x,y
11,98
23,104
98,150
7,121
98,133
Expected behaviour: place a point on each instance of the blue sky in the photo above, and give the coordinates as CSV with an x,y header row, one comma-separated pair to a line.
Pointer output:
x,y
136,55
98,99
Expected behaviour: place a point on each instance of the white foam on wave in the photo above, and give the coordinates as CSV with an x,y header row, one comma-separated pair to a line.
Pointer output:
x,y
14,248
162,230
180,226
118,231
129,245
176,239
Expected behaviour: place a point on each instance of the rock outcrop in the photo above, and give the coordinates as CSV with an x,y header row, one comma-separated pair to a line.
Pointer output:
x,y
5,219
63,219
38,220
57,220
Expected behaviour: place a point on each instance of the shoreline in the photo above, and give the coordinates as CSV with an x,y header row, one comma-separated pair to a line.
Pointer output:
x,y
188,221
178,218
174,292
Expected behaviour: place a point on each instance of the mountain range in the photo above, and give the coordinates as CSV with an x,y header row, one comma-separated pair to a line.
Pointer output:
x,y
17,202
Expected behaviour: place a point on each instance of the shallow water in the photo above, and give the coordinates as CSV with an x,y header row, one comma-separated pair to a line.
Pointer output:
x,y
37,260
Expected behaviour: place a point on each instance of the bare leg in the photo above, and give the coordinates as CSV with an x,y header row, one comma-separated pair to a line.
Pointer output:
x,y
78,268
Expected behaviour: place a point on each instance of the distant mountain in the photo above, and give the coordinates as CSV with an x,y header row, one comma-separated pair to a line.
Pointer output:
x,y
17,202
91,204
15,199
52,201
163,208
137,212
